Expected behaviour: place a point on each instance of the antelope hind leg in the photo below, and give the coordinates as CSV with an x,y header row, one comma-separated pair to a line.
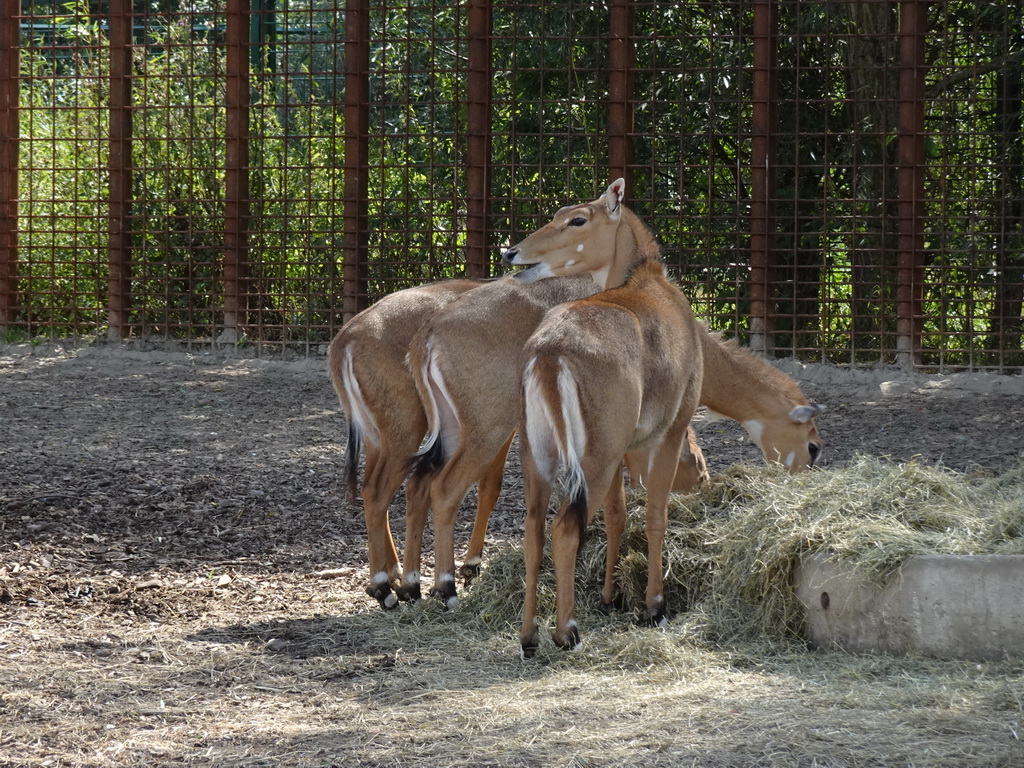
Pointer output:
x,y
486,497
417,497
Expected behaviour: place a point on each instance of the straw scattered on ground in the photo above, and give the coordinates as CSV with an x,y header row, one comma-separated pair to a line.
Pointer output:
x,y
181,584
731,550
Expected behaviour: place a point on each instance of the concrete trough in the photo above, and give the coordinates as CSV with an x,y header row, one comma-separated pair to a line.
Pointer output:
x,y
944,606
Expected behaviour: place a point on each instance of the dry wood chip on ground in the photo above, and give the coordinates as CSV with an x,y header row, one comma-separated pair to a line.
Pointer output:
x,y
181,584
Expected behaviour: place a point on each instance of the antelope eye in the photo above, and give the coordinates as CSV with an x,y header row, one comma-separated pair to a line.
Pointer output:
x,y
578,221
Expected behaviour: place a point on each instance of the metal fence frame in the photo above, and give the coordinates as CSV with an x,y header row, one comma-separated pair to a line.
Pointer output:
x,y
239,42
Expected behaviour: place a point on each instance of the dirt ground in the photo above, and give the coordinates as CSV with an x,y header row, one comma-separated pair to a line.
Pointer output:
x,y
166,518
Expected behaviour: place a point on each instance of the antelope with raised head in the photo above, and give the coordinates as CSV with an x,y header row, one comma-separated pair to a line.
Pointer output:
x,y
605,376
467,360
366,360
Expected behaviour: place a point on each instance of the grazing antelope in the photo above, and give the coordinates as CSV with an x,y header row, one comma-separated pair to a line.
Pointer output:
x,y
768,404
604,376
367,365
467,358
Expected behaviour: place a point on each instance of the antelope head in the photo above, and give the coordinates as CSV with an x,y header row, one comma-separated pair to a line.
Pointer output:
x,y
580,238
790,438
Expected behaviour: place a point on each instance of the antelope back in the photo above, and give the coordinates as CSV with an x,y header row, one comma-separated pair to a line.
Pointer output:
x,y
633,355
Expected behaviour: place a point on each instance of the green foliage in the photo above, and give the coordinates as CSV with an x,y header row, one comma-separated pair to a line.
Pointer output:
x,y
62,269
837,239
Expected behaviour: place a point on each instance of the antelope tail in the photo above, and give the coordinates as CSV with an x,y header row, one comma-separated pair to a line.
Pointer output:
x,y
442,420
352,451
554,427
430,457
360,422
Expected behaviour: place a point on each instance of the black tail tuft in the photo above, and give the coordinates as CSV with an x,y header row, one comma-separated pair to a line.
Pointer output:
x,y
352,451
429,460
577,512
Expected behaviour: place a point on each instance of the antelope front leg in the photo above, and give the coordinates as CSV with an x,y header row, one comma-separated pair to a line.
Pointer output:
x,y
614,524
657,520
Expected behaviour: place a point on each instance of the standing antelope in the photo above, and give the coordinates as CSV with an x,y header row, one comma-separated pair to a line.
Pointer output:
x,y
618,372
367,365
467,359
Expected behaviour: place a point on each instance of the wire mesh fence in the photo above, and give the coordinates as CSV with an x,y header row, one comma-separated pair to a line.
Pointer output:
x,y
839,180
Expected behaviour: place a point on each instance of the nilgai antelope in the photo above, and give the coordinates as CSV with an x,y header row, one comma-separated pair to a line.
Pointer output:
x,y
618,372
367,365
768,404
467,359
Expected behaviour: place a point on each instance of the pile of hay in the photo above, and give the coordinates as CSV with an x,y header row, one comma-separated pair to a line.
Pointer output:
x,y
730,551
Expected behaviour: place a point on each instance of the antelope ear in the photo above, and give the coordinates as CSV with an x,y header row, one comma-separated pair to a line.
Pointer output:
x,y
613,197
804,413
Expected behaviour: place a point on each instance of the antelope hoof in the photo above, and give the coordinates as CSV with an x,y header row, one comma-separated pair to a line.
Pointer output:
x,y
470,570
656,614
381,592
615,604
528,644
445,590
570,639
409,593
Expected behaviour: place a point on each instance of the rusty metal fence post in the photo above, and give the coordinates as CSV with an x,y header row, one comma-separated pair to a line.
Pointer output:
x,y
478,139
910,290
119,165
10,66
355,243
621,87
762,173
236,171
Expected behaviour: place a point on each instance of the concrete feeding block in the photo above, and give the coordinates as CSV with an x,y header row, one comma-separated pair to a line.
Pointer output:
x,y
945,606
